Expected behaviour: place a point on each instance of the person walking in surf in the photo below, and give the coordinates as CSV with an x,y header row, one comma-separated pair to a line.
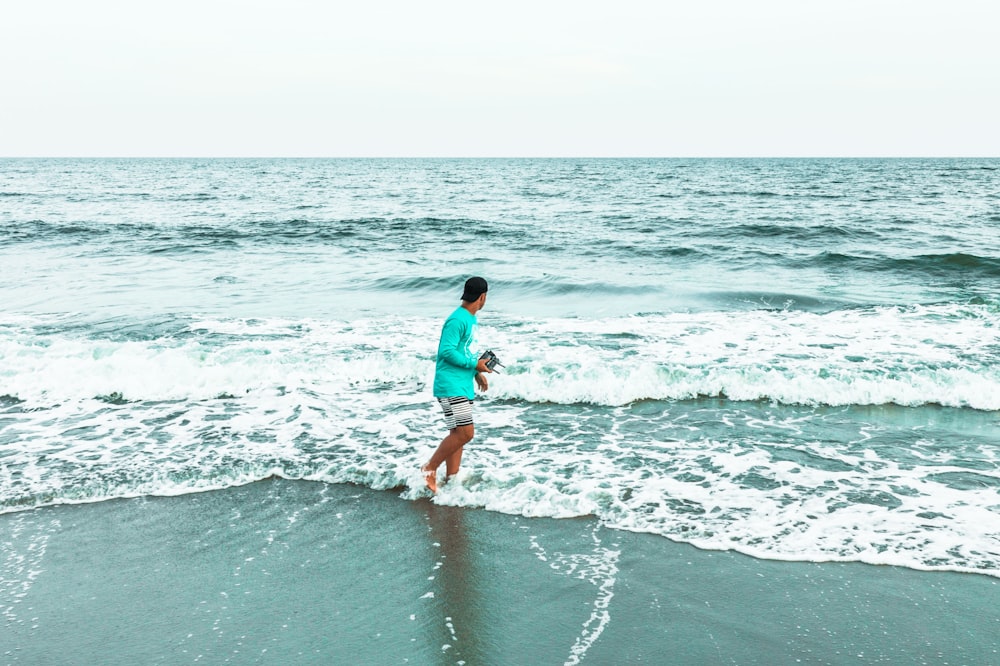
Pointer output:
x,y
457,366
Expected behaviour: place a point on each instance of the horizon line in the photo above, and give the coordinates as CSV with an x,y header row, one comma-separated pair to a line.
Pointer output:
x,y
502,157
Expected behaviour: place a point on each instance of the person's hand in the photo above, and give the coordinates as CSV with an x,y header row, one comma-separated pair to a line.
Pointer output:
x,y
481,381
481,366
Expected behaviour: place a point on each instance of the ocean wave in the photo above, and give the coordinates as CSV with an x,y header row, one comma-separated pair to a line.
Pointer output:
x,y
594,417
770,488
956,261
141,236
770,300
945,355
803,193
545,287
196,196
948,265
800,233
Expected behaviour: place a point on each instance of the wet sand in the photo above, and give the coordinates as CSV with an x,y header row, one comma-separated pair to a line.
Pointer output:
x,y
283,572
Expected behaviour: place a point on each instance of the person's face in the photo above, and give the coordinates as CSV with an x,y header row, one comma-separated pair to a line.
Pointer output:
x,y
482,301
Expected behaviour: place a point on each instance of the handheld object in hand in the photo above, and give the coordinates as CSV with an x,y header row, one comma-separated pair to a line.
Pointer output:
x,y
491,360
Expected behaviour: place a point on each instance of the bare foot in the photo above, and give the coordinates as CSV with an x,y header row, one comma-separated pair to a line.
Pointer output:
x,y
430,478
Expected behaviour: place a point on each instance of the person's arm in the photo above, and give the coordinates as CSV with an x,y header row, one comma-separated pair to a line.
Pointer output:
x,y
451,336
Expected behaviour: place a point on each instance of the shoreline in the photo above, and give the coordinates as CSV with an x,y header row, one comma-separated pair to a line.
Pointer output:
x,y
285,571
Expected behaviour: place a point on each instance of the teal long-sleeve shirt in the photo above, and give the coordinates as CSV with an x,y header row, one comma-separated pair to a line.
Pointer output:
x,y
456,358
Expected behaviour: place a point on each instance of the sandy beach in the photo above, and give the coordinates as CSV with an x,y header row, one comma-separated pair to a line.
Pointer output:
x,y
283,572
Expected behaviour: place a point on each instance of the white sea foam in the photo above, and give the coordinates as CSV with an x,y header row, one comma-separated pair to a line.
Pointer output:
x,y
906,356
854,503
590,417
599,568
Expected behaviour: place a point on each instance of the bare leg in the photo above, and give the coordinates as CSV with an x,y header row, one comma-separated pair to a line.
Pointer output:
x,y
449,446
453,461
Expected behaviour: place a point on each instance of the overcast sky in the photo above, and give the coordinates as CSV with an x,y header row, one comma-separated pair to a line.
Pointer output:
x,y
434,78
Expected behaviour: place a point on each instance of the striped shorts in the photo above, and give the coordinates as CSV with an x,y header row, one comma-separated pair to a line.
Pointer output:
x,y
457,411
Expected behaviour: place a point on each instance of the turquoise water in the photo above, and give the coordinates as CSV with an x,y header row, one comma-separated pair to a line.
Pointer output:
x,y
791,359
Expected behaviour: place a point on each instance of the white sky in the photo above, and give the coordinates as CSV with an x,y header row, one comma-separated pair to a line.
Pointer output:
x,y
442,78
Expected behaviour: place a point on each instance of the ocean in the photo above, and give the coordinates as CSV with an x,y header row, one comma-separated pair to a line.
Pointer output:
x,y
795,360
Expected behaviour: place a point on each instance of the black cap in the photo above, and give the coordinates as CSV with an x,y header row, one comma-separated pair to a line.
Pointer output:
x,y
474,288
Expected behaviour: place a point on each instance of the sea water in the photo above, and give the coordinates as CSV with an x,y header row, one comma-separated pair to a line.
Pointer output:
x,y
793,359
